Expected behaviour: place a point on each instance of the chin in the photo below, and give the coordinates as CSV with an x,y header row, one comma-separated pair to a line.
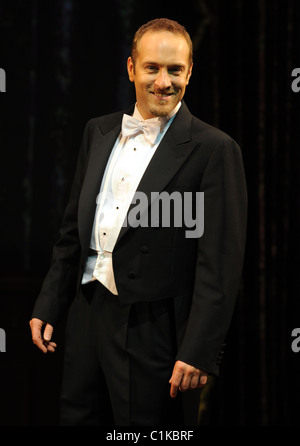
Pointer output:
x,y
161,110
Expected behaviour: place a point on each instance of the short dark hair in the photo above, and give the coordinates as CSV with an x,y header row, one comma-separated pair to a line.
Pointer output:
x,y
161,25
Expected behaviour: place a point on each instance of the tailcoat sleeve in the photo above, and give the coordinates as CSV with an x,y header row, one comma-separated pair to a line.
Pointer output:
x,y
220,254
60,283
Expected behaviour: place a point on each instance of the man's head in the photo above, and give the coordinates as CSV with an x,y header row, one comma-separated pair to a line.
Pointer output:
x,y
160,66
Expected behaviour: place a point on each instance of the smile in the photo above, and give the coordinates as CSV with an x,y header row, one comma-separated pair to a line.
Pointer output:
x,y
162,95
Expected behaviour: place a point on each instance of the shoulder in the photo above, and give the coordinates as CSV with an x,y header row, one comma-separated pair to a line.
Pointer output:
x,y
200,131
213,144
106,122
203,132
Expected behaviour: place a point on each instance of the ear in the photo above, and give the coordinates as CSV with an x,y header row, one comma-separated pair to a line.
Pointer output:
x,y
189,73
130,69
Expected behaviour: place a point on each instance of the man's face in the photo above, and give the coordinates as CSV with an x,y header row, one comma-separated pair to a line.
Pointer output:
x,y
161,72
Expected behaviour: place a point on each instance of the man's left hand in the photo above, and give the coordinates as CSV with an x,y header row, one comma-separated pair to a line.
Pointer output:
x,y
185,377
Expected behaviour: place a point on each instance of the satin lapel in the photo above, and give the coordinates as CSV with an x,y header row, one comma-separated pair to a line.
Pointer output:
x,y
172,152
101,146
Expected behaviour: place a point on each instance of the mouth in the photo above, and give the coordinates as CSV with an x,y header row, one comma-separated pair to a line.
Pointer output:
x,y
162,96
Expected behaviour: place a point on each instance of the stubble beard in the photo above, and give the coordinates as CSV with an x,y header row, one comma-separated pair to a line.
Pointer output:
x,y
162,109
159,112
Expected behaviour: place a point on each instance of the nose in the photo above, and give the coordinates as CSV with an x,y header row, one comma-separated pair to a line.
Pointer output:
x,y
163,80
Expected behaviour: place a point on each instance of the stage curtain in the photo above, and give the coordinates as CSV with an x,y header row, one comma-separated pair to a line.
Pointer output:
x,y
65,62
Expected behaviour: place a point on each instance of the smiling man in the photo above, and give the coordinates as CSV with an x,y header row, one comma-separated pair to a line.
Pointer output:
x,y
149,307
160,70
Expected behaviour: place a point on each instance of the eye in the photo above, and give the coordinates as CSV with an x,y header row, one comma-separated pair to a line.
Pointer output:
x,y
175,70
151,68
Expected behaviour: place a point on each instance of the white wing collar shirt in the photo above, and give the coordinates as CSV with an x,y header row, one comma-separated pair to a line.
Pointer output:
x,y
128,161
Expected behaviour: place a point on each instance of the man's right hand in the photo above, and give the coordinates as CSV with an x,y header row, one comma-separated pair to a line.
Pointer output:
x,y
42,340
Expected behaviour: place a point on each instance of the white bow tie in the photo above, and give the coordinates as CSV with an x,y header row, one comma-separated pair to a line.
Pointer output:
x,y
131,126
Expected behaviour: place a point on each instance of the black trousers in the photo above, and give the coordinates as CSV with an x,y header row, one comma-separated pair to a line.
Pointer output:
x,y
118,362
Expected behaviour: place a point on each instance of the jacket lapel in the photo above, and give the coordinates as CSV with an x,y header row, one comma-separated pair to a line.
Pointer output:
x,y
103,140
172,152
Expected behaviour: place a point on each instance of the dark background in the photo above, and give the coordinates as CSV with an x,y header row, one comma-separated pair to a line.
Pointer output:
x,y
65,62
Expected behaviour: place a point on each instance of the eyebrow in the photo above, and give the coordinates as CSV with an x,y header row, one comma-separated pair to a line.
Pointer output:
x,y
173,65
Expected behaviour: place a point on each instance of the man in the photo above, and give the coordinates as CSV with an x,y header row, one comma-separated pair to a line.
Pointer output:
x,y
152,303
